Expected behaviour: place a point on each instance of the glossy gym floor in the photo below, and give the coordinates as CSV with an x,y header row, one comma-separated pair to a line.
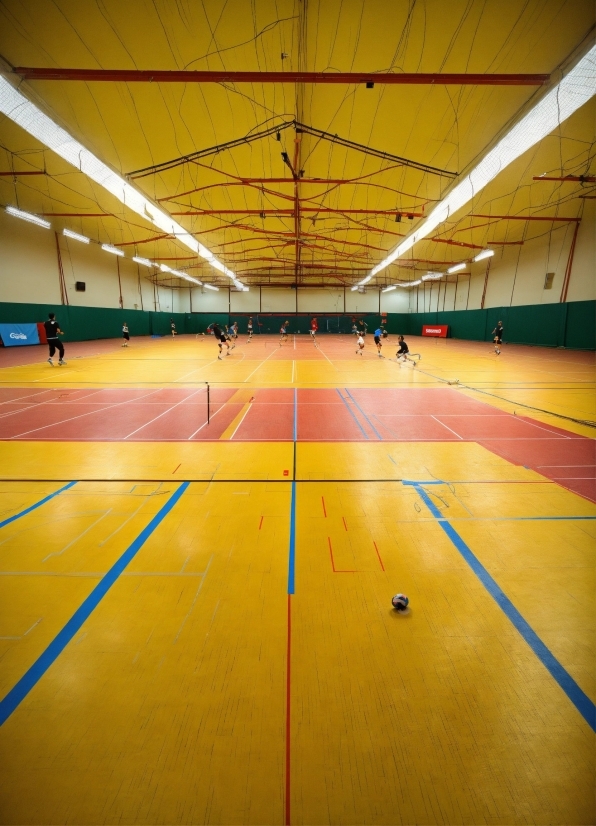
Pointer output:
x,y
195,616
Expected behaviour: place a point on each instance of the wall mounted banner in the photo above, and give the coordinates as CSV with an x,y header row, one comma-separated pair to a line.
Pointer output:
x,y
438,330
17,335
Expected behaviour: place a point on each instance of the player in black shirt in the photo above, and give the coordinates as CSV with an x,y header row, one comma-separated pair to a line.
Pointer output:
x,y
220,338
403,351
173,327
53,330
498,337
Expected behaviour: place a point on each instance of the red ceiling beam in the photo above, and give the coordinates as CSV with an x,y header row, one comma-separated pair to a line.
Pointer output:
x,y
584,179
390,212
527,217
158,76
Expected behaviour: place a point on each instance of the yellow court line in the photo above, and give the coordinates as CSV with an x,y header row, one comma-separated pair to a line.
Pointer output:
x,y
235,423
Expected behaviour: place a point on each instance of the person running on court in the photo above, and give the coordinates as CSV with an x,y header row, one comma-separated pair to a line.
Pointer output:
x,y
220,338
284,332
498,337
378,342
52,328
173,327
360,342
228,335
125,334
314,326
403,351
235,330
250,330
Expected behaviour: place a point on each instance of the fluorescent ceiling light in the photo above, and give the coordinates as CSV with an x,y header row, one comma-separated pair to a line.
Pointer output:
x,y
432,276
456,268
30,118
70,234
354,288
210,287
27,216
575,89
388,289
144,261
484,254
110,248
365,280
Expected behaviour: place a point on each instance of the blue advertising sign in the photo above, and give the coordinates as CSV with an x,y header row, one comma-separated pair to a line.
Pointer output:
x,y
17,335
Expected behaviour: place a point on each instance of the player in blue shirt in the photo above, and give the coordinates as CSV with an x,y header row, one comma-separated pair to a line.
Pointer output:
x,y
378,342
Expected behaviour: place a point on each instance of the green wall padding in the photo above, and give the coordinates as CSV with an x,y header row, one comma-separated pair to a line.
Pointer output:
x,y
570,325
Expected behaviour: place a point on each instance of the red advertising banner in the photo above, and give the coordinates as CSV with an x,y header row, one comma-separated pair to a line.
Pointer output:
x,y
438,330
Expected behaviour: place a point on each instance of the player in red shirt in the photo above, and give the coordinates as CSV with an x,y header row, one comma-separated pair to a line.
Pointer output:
x,y
314,326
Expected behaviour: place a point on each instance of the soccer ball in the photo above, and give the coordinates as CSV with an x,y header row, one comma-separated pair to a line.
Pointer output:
x,y
400,602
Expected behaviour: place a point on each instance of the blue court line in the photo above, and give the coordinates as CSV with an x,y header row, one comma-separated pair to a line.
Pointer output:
x,y
580,700
36,505
31,677
352,414
292,553
295,414
378,435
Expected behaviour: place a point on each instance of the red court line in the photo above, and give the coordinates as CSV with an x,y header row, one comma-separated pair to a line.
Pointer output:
x,y
323,503
379,555
337,570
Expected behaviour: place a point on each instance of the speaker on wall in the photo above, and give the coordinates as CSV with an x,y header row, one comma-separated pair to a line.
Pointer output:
x,y
80,286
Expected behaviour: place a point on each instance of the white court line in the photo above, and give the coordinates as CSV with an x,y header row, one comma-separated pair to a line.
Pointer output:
x,y
261,364
328,359
26,632
201,427
192,605
241,420
28,396
293,370
80,536
82,415
196,370
48,401
447,428
126,521
169,410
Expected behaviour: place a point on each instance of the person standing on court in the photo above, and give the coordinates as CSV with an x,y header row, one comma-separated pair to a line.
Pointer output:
x,y
378,342
314,326
52,328
125,334
498,337
173,327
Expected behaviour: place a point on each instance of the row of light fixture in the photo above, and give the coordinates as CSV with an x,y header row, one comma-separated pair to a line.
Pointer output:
x,y
145,262
434,276
33,120
575,89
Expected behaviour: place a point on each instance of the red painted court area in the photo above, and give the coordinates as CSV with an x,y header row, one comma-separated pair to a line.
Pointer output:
x,y
342,414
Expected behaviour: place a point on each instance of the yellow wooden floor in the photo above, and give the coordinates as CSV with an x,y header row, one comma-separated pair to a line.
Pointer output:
x,y
198,691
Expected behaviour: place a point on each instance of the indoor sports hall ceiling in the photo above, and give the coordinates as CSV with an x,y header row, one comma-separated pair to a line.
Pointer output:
x,y
331,176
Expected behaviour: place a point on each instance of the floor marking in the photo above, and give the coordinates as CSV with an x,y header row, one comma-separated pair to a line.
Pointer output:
x,y
580,700
293,370
36,505
231,429
379,555
126,521
334,569
324,509
261,522
261,364
32,676
76,539
81,415
352,414
213,415
175,469
345,525
192,605
26,632
295,415
169,410
447,428
46,401
292,549
378,435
